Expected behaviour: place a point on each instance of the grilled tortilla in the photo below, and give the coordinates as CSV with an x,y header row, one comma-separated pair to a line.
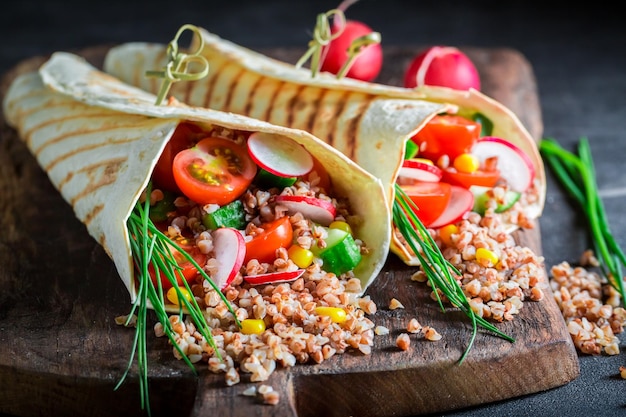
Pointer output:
x,y
368,122
99,140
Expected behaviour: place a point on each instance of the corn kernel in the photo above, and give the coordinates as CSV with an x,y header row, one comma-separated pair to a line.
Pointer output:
x,y
446,232
485,256
172,295
337,224
424,161
336,314
252,326
467,163
300,256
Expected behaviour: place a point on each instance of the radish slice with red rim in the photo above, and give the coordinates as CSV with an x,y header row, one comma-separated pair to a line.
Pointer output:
x,y
274,277
461,202
316,209
279,155
420,171
514,165
229,251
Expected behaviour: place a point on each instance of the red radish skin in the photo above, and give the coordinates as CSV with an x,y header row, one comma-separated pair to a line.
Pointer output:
x,y
444,66
514,165
274,277
230,251
420,171
318,210
461,202
367,65
279,155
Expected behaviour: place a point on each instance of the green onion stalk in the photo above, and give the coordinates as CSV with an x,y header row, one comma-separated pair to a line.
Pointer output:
x,y
440,272
151,247
577,174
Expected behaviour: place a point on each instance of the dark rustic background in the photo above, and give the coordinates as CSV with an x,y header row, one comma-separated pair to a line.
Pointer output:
x,y
578,54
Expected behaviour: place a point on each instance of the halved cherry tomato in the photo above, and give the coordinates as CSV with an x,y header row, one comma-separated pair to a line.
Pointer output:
x,y
431,199
276,234
215,171
464,179
447,134
185,136
187,269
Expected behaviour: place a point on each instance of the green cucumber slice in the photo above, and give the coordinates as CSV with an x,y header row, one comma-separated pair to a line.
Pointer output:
x,y
481,198
160,210
265,179
341,253
230,215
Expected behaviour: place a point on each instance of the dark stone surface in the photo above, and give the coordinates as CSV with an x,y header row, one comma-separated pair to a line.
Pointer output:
x,y
577,53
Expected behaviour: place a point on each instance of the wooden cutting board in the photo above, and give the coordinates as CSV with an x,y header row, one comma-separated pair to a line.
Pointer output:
x,y
61,352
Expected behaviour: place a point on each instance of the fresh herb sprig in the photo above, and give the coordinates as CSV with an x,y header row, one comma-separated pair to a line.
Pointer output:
x,y
439,271
577,174
151,247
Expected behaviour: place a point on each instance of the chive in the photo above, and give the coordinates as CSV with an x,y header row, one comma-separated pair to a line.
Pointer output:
x,y
150,246
439,271
577,174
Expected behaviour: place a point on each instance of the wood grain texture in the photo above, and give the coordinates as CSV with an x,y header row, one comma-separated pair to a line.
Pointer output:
x,y
61,352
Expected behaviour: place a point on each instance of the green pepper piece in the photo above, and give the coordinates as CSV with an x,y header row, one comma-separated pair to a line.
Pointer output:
x,y
486,125
160,210
341,253
230,215
410,149
266,179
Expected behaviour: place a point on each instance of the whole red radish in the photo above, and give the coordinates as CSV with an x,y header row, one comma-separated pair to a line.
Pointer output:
x,y
367,65
444,66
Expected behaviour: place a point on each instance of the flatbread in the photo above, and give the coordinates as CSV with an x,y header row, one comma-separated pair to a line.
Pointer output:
x,y
99,140
368,122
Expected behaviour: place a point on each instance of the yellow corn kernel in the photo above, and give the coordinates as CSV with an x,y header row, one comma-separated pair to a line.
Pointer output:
x,y
423,160
486,257
172,295
252,326
300,256
337,224
336,314
467,163
446,232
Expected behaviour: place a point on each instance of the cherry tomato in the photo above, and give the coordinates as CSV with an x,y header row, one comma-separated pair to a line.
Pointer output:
x,y
188,270
367,65
480,177
430,197
215,171
276,234
184,137
447,134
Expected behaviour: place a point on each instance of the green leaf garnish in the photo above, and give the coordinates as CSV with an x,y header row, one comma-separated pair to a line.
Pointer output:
x,y
177,65
577,174
439,271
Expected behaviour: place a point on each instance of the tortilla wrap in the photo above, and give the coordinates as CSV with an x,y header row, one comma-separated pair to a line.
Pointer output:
x,y
368,122
99,140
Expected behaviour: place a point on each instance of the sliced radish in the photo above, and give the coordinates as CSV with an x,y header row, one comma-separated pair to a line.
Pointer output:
x,y
420,171
230,251
274,277
318,210
514,165
279,155
461,202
